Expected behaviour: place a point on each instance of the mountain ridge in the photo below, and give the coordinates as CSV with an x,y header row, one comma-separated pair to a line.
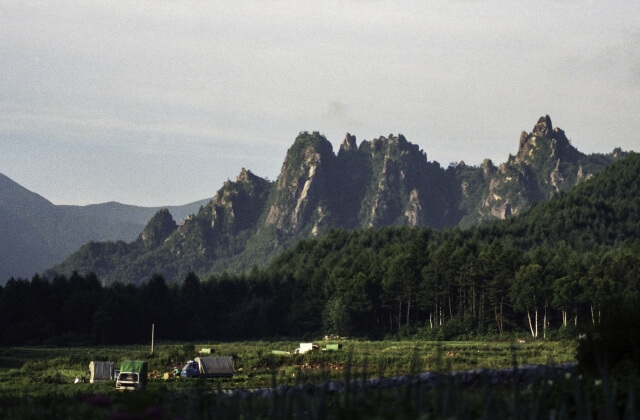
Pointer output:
x,y
387,181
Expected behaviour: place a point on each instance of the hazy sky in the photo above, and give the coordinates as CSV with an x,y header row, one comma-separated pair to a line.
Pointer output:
x,y
159,102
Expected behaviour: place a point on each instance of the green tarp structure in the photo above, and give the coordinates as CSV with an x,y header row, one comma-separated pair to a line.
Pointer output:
x,y
100,371
139,366
333,347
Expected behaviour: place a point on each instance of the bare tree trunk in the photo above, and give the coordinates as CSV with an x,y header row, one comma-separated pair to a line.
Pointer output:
x,y
399,314
481,313
473,301
390,320
544,324
533,334
408,310
499,318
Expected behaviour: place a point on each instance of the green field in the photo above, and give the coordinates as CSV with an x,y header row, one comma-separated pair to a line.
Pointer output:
x,y
37,382
36,370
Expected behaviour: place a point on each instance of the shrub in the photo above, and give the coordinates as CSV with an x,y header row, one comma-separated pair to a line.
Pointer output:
x,y
53,378
458,328
614,342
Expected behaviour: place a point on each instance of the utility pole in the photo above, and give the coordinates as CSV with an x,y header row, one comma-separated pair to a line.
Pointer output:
x,y
152,332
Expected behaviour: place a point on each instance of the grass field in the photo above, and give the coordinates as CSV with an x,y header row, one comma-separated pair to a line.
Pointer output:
x,y
37,382
40,370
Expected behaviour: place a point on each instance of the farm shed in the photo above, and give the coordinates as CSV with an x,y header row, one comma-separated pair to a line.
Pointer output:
x,y
100,371
215,366
305,348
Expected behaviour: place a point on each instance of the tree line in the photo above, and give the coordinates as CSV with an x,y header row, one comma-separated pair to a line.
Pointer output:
x,y
368,284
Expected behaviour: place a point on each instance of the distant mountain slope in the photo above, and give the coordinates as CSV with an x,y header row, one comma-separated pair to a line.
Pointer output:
x,y
36,234
117,212
387,181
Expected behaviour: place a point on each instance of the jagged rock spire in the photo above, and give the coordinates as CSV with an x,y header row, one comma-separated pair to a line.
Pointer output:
x,y
158,229
543,127
349,143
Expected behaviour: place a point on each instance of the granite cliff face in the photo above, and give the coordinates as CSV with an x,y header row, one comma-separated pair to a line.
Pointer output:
x,y
300,198
387,181
404,188
384,182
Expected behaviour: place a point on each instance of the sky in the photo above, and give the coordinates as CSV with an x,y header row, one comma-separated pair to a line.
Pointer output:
x,y
159,102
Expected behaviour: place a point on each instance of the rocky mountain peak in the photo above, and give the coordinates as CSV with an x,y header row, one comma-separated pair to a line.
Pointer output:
x,y
529,141
244,176
543,127
159,228
306,148
236,205
545,141
394,146
349,144
302,182
546,163
488,168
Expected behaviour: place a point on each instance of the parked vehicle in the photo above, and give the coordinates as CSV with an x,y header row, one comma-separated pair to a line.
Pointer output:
x,y
101,371
208,367
132,376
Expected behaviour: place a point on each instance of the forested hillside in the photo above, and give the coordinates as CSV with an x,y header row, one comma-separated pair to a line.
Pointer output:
x,y
552,269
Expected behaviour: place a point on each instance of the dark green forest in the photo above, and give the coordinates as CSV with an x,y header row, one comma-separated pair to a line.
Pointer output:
x,y
550,272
